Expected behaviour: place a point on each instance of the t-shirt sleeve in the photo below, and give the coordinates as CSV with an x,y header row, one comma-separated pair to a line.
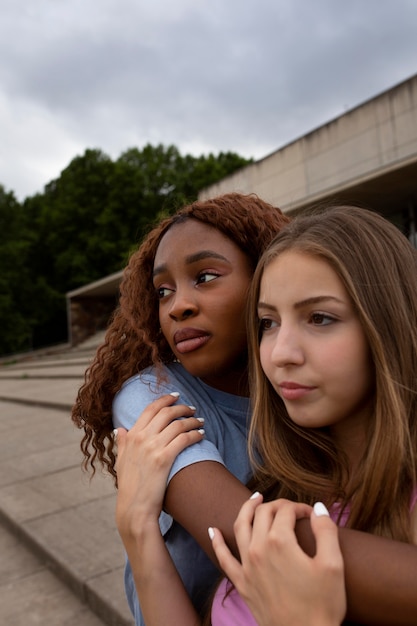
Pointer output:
x,y
137,393
133,398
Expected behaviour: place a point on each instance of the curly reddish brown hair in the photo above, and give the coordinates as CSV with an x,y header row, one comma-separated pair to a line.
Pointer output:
x,y
133,339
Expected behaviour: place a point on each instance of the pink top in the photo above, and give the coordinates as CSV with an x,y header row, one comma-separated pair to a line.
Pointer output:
x,y
335,510
229,609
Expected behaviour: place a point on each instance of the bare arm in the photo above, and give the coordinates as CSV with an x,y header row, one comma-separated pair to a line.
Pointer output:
x,y
206,494
144,458
380,574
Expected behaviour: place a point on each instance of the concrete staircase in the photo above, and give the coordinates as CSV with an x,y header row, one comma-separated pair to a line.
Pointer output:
x,y
62,558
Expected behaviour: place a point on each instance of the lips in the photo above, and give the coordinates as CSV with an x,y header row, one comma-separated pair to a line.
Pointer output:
x,y
294,391
189,339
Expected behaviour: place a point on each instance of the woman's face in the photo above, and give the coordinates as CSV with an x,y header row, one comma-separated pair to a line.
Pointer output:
x,y
313,348
201,278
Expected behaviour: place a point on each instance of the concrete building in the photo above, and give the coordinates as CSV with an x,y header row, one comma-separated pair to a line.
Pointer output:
x,y
367,156
89,307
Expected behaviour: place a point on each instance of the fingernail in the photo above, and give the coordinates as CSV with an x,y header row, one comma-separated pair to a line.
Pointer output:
x,y
175,394
115,433
210,533
200,419
201,431
254,495
320,509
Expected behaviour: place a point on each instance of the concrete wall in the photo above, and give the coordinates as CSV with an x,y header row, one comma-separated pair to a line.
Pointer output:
x,y
366,143
90,307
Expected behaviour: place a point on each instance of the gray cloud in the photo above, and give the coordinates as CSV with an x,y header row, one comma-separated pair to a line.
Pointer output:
x,y
205,76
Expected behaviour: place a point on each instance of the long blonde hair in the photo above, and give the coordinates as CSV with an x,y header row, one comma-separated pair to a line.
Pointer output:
x,y
378,267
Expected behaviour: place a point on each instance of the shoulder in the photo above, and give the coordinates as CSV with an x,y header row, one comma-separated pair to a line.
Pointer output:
x,y
140,390
159,380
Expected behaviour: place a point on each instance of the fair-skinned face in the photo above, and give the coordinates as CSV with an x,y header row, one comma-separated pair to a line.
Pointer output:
x,y
313,349
201,278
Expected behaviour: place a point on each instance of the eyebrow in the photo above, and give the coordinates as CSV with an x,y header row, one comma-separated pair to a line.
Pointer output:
x,y
193,258
302,303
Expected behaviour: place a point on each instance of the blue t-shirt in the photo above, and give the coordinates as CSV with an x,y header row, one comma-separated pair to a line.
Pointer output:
x,y
226,420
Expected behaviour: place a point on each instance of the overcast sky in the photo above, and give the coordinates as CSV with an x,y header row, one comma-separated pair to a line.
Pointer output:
x,y
247,76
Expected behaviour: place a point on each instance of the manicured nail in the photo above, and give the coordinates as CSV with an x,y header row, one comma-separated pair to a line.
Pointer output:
x,y
175,394
254,495
115,433
210,533
320,509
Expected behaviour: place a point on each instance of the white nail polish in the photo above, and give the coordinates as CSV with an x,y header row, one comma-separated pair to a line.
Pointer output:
x,y
320,509
175,394
210,533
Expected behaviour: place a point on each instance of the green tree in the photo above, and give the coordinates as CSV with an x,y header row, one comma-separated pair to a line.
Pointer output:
x,y
66,220
15,283
82,227
143,183
196,173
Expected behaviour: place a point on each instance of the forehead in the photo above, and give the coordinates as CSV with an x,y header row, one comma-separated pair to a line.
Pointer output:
x,y
190,237
292,274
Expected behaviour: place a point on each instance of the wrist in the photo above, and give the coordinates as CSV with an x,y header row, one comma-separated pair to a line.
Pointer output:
x,y
138,529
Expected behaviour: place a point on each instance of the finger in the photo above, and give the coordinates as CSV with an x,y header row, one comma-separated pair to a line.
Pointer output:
x,y
254,522
280,511
282,527
119,438
165,417
327,537
170,429
260,525
160,448
180,435
228,563
156,408
298,510
243,523
118,435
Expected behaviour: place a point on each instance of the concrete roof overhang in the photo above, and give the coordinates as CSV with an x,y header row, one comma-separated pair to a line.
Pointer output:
x,y
385,191
107,287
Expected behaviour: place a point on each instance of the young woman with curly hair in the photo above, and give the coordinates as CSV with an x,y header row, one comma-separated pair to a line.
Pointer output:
x,y
180,328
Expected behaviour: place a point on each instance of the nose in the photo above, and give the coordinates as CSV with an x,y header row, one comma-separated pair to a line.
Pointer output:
x,y
183,305
287,348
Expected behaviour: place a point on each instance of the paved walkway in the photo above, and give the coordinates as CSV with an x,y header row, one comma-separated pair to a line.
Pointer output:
x,y
61,557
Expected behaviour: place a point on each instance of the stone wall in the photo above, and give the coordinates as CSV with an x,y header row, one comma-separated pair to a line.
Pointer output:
x,y
89,315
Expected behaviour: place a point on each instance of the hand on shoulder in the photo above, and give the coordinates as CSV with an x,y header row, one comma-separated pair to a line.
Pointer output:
x,y
145,455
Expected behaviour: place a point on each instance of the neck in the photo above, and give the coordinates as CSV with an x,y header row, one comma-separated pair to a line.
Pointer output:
x,y
235,383
350,436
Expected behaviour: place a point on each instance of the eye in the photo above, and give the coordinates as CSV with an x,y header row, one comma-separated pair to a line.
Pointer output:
x,y
321,319
266,324
206,277
162,292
